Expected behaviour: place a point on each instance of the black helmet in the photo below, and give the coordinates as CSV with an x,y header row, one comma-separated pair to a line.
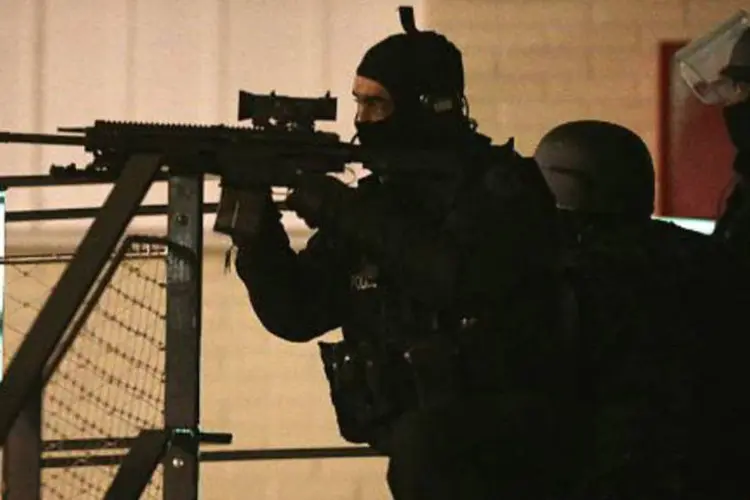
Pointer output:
x,y
738,68
598,167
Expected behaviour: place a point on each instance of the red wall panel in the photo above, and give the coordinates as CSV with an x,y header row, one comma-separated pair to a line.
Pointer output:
x,y
695,152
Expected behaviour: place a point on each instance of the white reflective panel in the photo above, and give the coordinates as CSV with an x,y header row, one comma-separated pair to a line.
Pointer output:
x,y
705,226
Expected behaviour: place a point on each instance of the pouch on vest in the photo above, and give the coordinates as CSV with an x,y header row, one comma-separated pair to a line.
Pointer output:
x,y
362,388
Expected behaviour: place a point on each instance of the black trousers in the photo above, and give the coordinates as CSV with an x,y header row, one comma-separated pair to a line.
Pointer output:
x,y
489,448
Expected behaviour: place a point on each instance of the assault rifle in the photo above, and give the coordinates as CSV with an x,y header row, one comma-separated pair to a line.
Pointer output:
x,y
280,143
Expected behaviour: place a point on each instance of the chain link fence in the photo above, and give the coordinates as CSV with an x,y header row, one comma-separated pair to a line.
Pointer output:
x,y
110,384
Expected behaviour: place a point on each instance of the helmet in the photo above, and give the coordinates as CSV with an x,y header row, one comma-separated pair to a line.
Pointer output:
x,y
738,68
714,63
597,167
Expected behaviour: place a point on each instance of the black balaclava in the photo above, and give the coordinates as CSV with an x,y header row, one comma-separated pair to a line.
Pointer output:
x,y
423,72
737,116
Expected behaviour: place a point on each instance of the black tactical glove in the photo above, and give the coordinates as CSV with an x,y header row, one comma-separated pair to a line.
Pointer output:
x,y
241,213
318,199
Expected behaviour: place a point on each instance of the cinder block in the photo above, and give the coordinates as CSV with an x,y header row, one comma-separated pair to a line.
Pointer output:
x,y
503,89
541,62
480,64
588,89
570,38
701,16
634,64
543,15
486,113
573,88
447,14
531,17
615,35
508,34
638,11
655,32
497,38
530,121
470,39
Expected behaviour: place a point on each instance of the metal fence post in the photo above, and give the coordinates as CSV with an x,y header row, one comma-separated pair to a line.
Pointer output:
x,y
183,350
22,454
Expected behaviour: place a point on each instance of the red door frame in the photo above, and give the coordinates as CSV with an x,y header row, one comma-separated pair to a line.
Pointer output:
x,y
694,155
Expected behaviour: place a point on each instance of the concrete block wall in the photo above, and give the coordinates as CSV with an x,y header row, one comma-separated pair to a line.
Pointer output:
x,y
532,64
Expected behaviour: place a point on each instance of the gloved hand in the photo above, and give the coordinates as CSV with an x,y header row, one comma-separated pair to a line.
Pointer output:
x,y
241,212
317,199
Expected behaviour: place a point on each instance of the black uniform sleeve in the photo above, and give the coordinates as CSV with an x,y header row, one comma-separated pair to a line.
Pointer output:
x,y
500,228
296,296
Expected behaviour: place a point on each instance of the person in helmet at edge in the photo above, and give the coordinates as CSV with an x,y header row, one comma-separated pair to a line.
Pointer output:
x,y
657,308
733,224
451,362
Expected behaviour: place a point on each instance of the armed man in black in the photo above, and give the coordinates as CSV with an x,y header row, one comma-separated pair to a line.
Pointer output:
x,y
733,226
716,67
452,362
657,308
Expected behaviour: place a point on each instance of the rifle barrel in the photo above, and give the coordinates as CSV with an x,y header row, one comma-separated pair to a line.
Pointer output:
x,y
50,139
